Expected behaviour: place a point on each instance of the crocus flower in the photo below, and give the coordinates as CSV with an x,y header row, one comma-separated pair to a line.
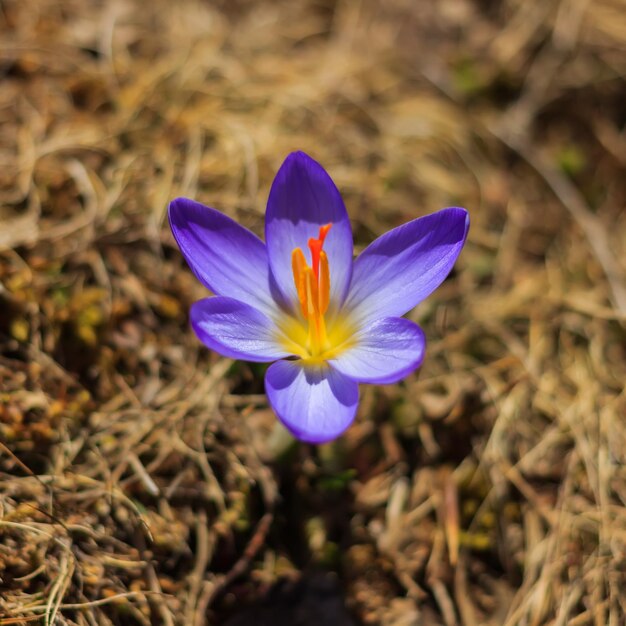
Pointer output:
x,y
329,322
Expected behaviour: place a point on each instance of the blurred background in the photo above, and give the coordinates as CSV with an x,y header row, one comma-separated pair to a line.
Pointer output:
x,y
140,480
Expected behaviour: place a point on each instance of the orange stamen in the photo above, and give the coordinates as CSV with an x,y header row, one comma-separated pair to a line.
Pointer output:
x,y
324,283
298,265
313,287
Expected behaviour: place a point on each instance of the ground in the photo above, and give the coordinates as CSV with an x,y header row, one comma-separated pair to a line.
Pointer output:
x,y
142,478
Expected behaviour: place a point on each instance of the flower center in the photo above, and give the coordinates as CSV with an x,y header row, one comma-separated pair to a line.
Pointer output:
x,y
313,288
312,336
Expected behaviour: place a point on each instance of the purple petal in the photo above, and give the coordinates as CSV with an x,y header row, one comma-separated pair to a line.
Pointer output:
x,y
384,352
236,330
314,402
302,198
227,258
405,265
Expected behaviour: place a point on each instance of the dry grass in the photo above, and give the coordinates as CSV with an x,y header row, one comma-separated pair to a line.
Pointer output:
x,y
137,484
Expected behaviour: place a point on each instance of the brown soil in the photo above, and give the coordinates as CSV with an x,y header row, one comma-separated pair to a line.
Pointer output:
x,y
140,482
